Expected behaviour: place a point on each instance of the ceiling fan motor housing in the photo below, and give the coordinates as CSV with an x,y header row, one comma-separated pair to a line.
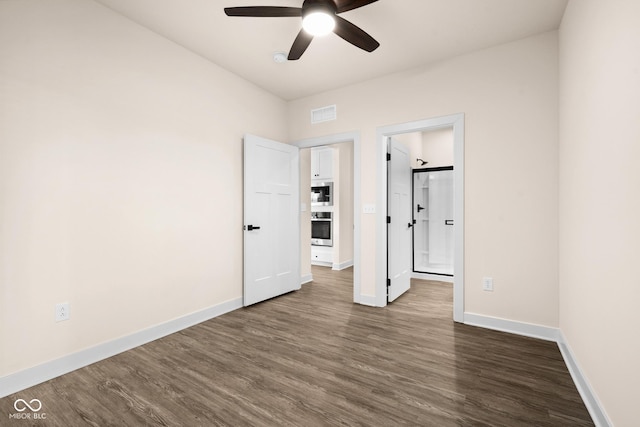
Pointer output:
x,y
326,6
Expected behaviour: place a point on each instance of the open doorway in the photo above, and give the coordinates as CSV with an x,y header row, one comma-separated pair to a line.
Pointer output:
x,y
337,223
326,194
432,198
456,122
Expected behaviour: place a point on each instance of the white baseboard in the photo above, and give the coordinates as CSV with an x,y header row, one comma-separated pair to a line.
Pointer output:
x,y
322,263
307,278
367,300
342,265
519,328
18,381
436,277
589,398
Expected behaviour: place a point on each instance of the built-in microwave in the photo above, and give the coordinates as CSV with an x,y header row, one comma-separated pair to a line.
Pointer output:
x,y
322,194
321,229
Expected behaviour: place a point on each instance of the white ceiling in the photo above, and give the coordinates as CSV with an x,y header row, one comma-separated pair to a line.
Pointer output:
x,y
411,33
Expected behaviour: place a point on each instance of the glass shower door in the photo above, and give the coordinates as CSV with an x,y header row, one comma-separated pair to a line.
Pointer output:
x,y
433,215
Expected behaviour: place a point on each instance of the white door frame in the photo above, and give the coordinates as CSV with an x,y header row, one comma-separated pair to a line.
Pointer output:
x,y
457,122
351,137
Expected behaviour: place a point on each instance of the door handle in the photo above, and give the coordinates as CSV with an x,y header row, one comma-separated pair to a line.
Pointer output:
x,y
409,225
252,227
420,208
448,222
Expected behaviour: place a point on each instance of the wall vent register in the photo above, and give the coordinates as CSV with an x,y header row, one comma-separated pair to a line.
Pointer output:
x,y
324,114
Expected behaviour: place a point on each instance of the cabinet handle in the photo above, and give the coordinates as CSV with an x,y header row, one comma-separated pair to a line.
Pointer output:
x,y
252,227
448,222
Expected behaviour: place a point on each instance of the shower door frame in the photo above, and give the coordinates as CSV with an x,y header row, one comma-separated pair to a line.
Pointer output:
x,y
413,218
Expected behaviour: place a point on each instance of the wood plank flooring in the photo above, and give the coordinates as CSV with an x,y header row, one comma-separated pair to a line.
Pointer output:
x,y
313,358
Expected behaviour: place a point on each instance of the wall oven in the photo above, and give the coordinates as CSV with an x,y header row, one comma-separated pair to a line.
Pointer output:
x,y
321,229
322,194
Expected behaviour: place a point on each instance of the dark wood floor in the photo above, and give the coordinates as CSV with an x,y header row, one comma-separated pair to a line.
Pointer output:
x,y
313,358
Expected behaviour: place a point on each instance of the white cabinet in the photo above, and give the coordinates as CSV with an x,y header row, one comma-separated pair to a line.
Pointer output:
x,y
322,163
322,255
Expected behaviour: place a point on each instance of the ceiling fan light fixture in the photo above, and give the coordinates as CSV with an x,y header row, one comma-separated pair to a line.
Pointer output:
x,y
318,23
319,17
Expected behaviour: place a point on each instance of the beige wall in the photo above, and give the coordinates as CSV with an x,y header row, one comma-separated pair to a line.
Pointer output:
x,y
120,178
413,141
599,202
437,147
343,252
434,146
509,95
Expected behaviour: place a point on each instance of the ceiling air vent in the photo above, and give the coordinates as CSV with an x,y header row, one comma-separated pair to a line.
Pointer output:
x,y
324,114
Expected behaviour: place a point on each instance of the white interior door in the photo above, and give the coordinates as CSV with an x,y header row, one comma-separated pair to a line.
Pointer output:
x,y
399,229
271,219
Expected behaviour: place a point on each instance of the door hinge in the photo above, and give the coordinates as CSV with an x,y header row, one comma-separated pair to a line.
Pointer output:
x,y
388,283
388,220
388,157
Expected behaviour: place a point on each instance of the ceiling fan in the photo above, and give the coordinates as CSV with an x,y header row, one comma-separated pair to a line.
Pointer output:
x,y
319,17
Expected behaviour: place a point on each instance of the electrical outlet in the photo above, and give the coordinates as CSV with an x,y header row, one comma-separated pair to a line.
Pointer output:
x,y
62,311
487,284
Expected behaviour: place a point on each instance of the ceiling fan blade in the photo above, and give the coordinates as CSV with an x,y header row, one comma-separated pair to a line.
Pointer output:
x,y
300,44
345,5
263,11
355,35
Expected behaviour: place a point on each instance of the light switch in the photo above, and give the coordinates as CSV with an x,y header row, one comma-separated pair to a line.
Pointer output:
x,y
369,209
